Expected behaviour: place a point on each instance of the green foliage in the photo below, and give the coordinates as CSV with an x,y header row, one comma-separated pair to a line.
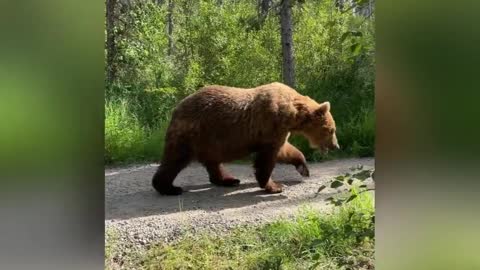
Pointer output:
x,y
126,138
354,183
312,240
229,44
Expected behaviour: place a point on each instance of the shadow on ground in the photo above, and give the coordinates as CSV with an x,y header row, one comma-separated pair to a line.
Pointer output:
x,y
129,194
205,197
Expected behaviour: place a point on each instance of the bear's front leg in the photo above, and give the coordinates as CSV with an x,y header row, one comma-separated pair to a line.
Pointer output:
x,y
289,154
264,164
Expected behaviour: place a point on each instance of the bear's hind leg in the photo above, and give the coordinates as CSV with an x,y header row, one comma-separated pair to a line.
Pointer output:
x,y
173,162
219,176
264,164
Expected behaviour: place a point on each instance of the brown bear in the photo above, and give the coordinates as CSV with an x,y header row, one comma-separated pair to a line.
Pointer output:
x,y
220,124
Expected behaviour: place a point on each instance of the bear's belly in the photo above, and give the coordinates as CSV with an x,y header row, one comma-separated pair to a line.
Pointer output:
x,y
222,152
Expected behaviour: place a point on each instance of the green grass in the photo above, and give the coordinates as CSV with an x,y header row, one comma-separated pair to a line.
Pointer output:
x,y
343,239
127,139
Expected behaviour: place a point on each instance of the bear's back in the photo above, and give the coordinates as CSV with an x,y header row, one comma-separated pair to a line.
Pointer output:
x,y
220,113
231,104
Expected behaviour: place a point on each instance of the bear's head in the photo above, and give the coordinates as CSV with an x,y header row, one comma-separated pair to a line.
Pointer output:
x,y
315,122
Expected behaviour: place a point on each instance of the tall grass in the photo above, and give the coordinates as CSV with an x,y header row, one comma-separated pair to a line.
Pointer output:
x,y
126,138
343,239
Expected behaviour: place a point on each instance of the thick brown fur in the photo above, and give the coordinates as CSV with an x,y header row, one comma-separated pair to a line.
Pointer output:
x,y
219,124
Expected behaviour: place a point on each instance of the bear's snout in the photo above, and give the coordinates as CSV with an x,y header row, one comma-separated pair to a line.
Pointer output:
x,y
335,145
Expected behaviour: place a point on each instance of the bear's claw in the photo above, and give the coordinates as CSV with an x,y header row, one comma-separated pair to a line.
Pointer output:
x,y
303,170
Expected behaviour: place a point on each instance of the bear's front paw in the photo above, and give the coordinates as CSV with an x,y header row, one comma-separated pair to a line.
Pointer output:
x,y
273,187
302,169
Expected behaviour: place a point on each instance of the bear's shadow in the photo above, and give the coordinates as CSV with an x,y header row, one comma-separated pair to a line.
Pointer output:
x,y
206,197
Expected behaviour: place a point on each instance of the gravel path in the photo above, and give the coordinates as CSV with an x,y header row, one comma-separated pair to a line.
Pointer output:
x,y
140,216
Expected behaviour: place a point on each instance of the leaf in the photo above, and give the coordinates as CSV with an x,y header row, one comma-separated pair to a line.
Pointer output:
x,y
330,23
315,265
316,256
334,201
363,186
350,181
352,197
322,187
331,200
344,36
316,242
363,175
352,33
356,48
336,184
340,178
338,202
356,33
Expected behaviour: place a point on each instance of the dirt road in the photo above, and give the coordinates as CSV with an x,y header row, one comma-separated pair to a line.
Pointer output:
x,y
141,216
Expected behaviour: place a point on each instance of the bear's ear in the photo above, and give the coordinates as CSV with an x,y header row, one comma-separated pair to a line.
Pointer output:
x,y
324,107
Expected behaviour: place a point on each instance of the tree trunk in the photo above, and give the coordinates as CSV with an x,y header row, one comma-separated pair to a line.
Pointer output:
x,y
110,46
170,27
263,8
287,43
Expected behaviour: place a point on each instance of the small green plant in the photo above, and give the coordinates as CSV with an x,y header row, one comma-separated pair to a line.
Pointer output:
x,y
361,224
354,181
